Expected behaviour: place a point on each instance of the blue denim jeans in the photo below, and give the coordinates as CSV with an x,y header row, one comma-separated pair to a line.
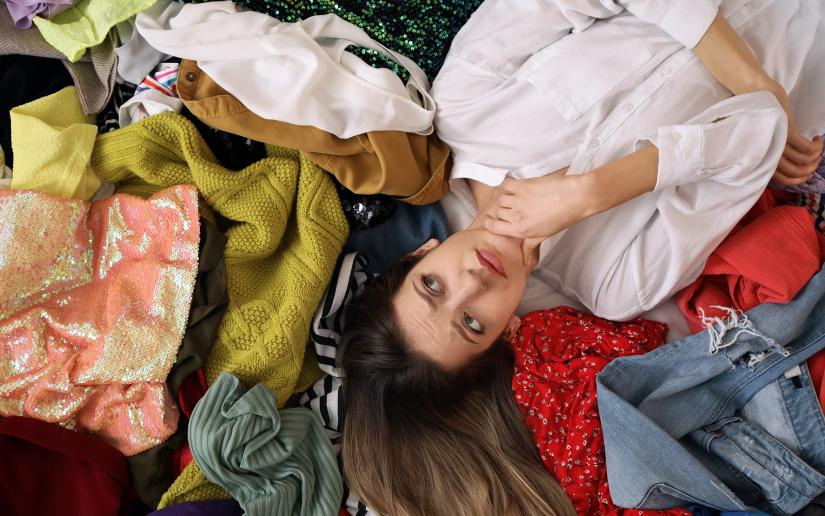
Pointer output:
x,y
725,418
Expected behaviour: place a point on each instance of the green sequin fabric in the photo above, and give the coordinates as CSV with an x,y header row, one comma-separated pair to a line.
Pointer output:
x,y
419,29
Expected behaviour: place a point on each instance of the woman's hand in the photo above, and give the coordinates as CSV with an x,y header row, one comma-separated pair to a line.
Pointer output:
x,y
535,209
732,63
801,156
538,208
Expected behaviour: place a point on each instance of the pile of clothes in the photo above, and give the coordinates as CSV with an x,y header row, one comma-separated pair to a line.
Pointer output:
x,y
188,208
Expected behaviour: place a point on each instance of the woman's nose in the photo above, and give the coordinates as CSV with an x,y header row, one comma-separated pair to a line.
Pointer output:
x,y
479,276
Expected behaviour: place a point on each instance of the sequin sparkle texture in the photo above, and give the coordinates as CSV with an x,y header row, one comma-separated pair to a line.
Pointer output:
x,y
94,299
419,29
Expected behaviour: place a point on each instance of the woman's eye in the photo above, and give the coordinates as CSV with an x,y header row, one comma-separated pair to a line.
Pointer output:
x,y
431,284
473,324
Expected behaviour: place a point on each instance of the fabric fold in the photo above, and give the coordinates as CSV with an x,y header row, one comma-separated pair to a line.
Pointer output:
x,y
86,24
94,299
152,470
24,11
768,258
81,474
307,63
411,166
559,352
752,436
284,230
94,74
275,463
53,140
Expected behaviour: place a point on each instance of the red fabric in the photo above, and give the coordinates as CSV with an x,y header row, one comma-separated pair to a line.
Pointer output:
x,y
768,257
181,458
191,391
816,367
47,469
558,354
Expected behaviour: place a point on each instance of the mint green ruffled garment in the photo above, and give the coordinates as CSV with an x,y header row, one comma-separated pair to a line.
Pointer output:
x,y
274,463
86,24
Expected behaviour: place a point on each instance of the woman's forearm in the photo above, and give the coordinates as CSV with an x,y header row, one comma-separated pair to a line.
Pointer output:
x,y
620,181
729,60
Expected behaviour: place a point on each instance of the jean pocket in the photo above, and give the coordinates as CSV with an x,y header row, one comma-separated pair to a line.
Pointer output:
x,y
783,479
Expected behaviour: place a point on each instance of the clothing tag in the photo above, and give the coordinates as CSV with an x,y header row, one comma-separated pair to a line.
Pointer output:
x,y
793,372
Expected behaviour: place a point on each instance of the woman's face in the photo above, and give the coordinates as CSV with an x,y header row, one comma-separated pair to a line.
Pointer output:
x,y
462,295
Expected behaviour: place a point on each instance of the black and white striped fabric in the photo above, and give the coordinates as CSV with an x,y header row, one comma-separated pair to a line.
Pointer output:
x,y
325,398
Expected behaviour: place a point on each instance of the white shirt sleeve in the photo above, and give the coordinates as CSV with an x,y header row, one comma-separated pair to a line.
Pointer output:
x,y
711,170
502,34
721,144
685,20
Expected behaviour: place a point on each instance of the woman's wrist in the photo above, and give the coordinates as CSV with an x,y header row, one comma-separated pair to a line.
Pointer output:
x,y
619,181
758,80
591,191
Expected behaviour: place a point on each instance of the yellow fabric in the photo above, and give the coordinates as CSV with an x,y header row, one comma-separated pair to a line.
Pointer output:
x,y
192,486
287,231
86,24
52,141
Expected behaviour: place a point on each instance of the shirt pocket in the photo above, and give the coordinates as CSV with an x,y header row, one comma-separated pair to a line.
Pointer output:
x,y
579,70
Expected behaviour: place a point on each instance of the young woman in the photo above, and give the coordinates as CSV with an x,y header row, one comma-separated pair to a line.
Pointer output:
x,y
602,150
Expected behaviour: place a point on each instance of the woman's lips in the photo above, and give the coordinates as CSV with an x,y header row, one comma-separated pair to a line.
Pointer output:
x,y
490,261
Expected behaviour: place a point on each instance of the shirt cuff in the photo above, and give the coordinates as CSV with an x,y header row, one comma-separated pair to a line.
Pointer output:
x,y
687,21
490,176
680,155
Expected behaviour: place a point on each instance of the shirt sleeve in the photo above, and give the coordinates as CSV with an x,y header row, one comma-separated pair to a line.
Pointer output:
x,y
685,20
717,165
502,34
723,143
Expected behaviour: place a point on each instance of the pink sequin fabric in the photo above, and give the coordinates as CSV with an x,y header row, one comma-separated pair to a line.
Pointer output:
x,y
94,299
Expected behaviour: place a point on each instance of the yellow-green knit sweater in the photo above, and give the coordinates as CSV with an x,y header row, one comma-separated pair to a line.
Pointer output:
x,y
287,232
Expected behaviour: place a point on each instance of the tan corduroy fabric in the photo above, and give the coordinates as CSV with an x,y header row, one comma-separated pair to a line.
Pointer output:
x,y
411,166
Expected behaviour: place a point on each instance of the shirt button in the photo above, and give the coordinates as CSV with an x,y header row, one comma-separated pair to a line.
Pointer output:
x,y
191,76
627,108
594,143
676,137
665,71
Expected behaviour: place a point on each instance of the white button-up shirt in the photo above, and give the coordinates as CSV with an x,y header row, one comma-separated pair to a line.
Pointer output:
x,y
532,86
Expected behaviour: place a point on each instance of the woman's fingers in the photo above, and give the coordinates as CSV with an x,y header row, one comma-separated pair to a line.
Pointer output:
x,y
794,171
786,180
802,144
509,186
530,251
799,157
506,201
505,214
499,226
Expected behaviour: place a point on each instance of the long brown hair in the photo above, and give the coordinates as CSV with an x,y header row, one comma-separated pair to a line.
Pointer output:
x,y
420,440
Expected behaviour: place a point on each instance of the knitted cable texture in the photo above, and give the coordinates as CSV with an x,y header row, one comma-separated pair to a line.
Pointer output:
x,y
286,231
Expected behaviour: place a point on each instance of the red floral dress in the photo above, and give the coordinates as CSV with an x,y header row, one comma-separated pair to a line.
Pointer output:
x,y
559,352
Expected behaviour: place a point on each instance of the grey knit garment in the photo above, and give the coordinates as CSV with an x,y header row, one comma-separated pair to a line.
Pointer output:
x,y
94,75
274,463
